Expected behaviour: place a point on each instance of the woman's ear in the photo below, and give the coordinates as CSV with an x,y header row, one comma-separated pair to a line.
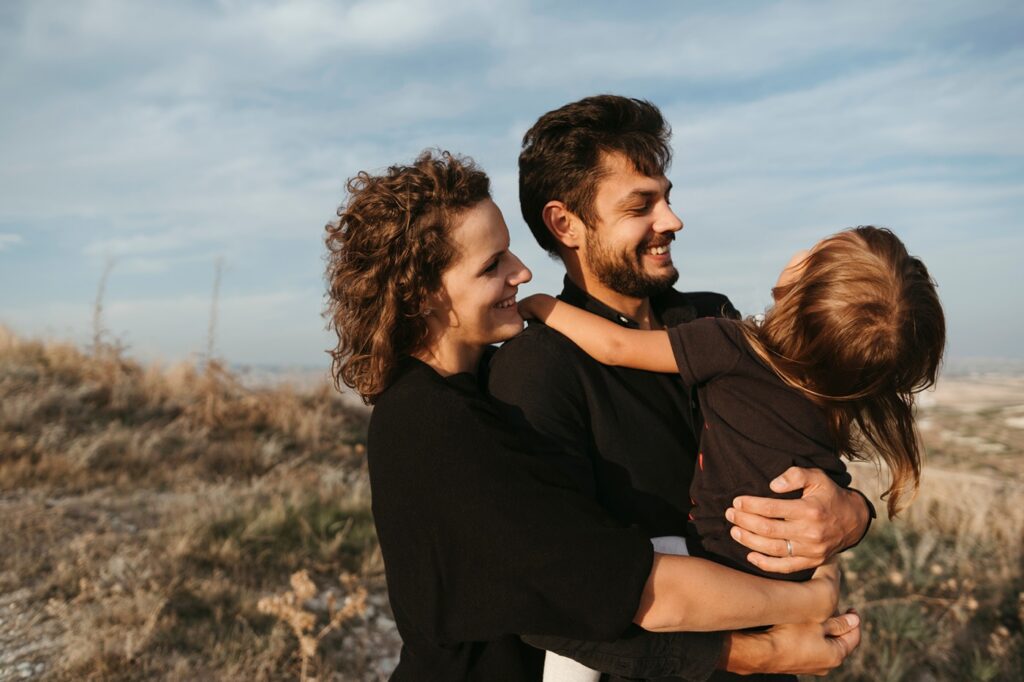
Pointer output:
x,y
563,224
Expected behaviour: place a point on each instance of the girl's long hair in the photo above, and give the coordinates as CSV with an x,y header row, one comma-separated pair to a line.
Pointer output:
x,y
860,331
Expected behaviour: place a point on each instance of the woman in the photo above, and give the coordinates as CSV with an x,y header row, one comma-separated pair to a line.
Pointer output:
x,y
482,539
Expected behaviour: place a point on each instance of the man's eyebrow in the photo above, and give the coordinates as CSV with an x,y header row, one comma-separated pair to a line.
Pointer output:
x,y
638,194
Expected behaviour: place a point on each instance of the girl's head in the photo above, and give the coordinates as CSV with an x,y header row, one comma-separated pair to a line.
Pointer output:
x,y
857,324
418,257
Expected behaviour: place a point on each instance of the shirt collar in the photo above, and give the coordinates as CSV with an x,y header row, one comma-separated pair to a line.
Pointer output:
x,y
671,307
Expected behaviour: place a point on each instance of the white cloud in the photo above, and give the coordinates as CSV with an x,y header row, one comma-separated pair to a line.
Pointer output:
x,y
8,240
163,134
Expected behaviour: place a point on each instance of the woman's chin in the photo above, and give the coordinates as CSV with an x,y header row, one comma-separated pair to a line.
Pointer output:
x,y
507,329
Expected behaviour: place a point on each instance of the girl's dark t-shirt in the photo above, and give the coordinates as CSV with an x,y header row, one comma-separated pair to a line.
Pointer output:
x,y
755,427
484,540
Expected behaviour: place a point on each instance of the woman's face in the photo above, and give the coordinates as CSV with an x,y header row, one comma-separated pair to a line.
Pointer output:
x,y
478,298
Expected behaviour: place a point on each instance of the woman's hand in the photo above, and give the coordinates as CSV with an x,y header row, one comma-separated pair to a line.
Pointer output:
x,y
537,306
804,649
824,585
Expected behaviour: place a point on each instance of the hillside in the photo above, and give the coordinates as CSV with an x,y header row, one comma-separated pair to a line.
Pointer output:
x,y
147,511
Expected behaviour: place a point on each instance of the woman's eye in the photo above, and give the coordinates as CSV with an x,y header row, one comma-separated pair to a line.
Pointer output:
x,y
493,266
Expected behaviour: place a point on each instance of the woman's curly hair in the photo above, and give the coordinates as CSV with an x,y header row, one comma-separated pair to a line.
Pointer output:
x,y
385,255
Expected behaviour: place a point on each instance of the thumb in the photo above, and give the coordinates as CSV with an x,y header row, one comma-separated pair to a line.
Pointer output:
x,y
791,479
840,625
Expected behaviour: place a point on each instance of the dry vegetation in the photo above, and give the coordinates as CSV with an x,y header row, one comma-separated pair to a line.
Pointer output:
x,y
147,511
154,519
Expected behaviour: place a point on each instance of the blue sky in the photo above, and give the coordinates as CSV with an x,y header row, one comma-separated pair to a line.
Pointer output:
x,y
166,135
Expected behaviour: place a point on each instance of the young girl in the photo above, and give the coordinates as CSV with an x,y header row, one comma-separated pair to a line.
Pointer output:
x,y
856,330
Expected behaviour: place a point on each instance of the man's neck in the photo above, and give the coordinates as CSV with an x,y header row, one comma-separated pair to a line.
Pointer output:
x,y
637,309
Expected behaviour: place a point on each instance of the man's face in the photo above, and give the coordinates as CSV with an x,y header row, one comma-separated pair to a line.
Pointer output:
x,y
628,250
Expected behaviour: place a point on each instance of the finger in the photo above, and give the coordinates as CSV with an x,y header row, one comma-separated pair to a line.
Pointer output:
x,y
850,641
760,525
770,507
781,564
837,626
794,478
759,543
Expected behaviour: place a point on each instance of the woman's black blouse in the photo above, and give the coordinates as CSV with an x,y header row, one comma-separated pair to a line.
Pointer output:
x,y
483,540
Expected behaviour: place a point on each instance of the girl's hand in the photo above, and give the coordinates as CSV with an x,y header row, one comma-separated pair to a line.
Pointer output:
x,y
537,306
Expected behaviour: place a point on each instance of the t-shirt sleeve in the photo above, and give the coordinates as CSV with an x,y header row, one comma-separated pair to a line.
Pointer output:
x,y
705,348
481,541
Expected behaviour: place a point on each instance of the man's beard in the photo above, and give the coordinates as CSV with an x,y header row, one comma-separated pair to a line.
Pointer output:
x,y
624,273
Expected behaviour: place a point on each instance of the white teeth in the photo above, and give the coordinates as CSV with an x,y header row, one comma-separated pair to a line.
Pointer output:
x,y
657,250
507,303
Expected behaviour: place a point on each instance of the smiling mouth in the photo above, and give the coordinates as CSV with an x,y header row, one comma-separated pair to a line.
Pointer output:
x,y
656,250
507,303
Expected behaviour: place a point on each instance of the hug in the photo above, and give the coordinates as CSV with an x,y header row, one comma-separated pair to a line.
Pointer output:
x,y
640,481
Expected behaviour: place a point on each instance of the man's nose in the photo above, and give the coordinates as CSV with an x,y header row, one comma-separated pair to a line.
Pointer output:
x,y
668,221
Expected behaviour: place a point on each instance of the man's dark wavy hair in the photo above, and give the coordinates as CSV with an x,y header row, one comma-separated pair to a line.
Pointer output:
x,y
562,155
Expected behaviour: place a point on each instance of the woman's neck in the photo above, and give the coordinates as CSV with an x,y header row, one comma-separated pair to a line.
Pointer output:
x,y
448,358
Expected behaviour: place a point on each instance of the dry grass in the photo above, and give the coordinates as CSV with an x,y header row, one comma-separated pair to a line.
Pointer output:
x,y
942,587
147,511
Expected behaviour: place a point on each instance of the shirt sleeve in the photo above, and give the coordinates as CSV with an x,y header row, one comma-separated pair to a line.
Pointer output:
x,y
638,654
481,541
705,349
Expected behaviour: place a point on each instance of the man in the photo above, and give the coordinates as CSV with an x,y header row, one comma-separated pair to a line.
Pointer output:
x,y
594,193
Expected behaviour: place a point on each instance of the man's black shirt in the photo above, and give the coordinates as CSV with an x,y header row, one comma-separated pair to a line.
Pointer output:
x,y
628,434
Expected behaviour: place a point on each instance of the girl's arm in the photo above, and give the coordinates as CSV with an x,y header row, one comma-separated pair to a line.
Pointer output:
x,y
697,595
605,341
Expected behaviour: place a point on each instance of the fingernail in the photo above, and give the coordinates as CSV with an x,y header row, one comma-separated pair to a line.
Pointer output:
x,y
852,619
778,483
735,533
730,514
738,503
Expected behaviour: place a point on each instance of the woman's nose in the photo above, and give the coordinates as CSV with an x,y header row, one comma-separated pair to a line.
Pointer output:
x,y
520,273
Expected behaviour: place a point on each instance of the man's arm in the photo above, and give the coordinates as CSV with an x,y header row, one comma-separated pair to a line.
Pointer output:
x,y
825,520
807,649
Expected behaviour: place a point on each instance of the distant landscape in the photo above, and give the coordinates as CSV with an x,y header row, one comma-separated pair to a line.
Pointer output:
x,y
203,522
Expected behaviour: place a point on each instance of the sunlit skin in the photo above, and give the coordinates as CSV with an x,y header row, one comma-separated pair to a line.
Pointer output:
x,y
477,302
794,268
633,215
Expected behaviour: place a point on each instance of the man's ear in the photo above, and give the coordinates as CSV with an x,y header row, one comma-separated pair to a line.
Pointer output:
x,y
563,224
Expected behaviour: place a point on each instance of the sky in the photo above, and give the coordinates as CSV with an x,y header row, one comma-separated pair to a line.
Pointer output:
x,y
159,137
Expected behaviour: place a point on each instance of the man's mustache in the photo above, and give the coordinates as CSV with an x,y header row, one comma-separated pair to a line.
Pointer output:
x,y
660,240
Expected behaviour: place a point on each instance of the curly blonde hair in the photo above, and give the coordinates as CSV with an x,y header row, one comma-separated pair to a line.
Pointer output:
x,y
385,255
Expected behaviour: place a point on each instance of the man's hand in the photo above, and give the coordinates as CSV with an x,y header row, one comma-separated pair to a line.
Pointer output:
x,y
805,649
825,520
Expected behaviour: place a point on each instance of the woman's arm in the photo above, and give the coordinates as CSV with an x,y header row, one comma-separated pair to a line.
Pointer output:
x,y
693,594
605,341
